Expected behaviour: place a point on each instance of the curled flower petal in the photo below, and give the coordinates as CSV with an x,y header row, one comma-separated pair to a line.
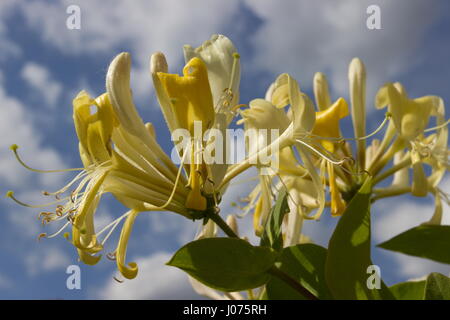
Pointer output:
x,y
128,271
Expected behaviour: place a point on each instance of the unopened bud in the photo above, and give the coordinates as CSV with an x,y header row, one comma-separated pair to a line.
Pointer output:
x,y
158,63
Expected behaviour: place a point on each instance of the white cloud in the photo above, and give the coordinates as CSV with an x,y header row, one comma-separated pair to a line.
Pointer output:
x,y
302,37
164,223
413,267
155,280
145,27
17,127
50,259
7,47
40,79
393,216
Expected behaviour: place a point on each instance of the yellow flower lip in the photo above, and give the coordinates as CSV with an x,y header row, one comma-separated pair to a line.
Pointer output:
x,y
410,116
94,129
327,122
190,95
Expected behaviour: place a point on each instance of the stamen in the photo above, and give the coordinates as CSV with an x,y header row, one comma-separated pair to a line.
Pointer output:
x,y
180,169
41,235
437,127
238,106
67,186
10,194
111,256
112,223
14,148
119,281
386,118
113,227
59,231
336,162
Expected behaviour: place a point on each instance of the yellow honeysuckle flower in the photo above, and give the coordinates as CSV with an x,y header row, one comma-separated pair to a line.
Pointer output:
x,y
327,126
327,123
301,200
321,91
296,124
357,88
191,101
122,172
222,63
120,153
207,93
410,116
120,156
190,95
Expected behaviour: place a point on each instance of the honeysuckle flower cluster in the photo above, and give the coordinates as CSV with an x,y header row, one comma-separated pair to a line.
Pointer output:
x,y
341,163
309,158
121,156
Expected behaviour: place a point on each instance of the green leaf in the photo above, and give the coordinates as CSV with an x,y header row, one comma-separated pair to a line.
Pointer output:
x,y
348,256
225,264
306,264
435,287
425,241
272,232
411,290
438,287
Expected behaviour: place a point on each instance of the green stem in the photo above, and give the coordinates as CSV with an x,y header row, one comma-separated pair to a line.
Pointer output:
x,y
274,270
292,283
221,223
391,171
380,194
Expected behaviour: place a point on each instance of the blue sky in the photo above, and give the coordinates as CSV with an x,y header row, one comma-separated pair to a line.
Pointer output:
x,y
43,65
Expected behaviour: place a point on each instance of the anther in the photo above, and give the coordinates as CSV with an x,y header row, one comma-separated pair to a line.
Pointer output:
x,y
41,235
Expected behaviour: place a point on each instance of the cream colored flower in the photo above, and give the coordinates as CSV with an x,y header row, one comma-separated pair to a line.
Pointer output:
x,y
207,93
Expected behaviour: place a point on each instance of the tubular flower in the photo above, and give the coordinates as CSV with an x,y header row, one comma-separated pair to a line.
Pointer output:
x,y
324,152
410,118
121,156
327,126
301,181
206,94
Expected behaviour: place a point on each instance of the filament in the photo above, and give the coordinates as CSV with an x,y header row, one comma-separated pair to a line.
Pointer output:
x,y
339,162
67,186
437,127
180,169
387,117
113,227
58,232
10,194
14,148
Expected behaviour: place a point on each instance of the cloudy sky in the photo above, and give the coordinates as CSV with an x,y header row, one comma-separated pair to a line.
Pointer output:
x,y
43,65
